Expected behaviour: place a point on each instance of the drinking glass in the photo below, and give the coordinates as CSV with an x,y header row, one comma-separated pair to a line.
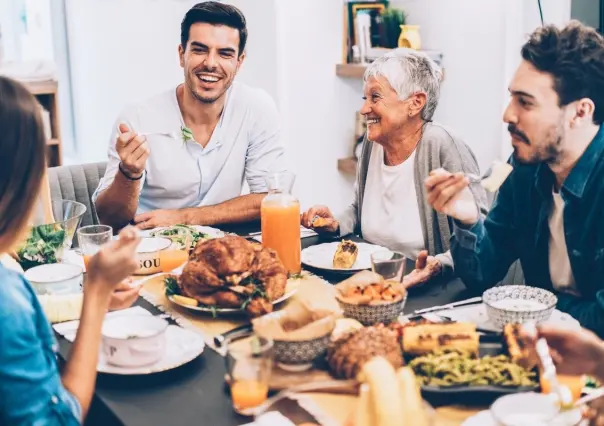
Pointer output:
x,y
91,239
249,363
177,254
389,264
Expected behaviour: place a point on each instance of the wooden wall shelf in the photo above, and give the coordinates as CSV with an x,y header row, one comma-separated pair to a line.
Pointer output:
x,y
347,165
358,70
47,93
350,70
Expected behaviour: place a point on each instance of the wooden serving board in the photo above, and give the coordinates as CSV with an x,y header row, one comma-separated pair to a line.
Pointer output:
x,y
281,379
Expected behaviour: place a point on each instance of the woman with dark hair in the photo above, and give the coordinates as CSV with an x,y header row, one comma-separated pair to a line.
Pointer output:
x,y
33,391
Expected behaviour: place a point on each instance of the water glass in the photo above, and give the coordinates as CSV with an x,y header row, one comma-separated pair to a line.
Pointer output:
x,y
389,264
91,239
249,363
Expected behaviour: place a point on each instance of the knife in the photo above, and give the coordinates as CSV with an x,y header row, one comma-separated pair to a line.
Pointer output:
x,y
471,301
236,332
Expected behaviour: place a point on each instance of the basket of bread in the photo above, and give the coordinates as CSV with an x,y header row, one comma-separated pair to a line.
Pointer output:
x,y
370,299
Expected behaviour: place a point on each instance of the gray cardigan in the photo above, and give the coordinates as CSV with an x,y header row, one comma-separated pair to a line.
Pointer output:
x,y
438,147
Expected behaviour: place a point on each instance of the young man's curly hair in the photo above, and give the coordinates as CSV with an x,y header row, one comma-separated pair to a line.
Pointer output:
x,y
574,56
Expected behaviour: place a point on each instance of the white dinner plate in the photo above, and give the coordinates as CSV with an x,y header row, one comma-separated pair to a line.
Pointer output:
x,y
485,418
182,346
321,256
290,290
212,232
478,315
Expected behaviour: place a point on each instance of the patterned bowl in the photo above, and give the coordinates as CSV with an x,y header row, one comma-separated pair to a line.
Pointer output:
x,y
518,304
373,314
298,356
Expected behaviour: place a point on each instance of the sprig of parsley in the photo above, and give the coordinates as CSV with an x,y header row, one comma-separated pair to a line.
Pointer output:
x,y
171,286
186,133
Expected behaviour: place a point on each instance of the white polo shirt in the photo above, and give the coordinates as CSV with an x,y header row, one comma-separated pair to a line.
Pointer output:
x,y
244,145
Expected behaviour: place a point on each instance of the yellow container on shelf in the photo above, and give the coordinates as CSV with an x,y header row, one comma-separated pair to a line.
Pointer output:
x,y
410,37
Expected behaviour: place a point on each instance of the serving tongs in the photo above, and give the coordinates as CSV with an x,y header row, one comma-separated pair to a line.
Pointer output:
x,y
233,334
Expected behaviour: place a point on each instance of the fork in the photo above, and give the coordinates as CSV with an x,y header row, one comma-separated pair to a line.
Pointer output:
x,y
494,177
172,135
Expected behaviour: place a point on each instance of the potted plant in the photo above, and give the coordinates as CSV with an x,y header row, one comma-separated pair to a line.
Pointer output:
x,y
393,20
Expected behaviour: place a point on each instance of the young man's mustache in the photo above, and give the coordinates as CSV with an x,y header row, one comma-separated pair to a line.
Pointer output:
x,y
515,132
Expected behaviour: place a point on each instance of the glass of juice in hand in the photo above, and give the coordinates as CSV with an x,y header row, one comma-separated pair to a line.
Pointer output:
x,y
91,239
249,363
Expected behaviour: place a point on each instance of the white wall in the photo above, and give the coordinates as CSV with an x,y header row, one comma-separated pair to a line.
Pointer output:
x,y
119,54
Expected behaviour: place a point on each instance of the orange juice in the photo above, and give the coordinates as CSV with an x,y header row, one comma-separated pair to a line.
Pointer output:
x,y
248,393
172,259
574,384
281,231
86,260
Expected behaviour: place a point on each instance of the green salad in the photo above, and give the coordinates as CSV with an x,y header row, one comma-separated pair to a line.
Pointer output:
x,y
179,234
43,246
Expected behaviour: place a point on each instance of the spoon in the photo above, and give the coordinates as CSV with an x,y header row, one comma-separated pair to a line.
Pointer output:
x,y
549,368
597,393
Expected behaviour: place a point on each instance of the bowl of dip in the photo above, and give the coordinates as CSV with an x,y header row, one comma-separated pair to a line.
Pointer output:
x,y
518,304
133,340
148,255
56,278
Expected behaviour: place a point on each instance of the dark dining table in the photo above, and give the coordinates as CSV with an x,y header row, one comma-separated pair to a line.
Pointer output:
x,y
195,394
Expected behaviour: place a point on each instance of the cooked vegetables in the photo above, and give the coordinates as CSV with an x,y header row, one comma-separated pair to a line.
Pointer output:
x,y
459,368
179,234
43,246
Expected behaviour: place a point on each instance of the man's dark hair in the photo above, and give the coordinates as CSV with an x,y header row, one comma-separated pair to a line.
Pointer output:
x,y
214,13
574,56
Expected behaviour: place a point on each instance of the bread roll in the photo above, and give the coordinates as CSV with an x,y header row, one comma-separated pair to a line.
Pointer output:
x,y
345,255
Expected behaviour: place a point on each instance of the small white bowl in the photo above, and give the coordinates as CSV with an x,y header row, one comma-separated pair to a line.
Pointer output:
x,y
134,340
524,409
56,278
508,304
147,254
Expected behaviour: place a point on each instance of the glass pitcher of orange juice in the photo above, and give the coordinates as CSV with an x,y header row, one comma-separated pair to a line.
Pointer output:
x,y
280,217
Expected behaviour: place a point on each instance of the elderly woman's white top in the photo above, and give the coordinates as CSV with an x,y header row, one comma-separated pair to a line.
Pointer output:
x,y
390,215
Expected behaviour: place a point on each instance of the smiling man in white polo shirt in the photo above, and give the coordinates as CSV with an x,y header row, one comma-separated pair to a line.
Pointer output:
x,y
183,155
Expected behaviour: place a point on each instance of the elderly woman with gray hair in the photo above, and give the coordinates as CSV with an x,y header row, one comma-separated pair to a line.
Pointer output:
x,y
401,147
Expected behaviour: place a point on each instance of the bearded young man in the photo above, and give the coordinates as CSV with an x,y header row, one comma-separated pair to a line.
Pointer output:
x,y
181,157
549,211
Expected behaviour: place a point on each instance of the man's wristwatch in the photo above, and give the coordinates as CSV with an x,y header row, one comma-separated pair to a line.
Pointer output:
x,y
129,177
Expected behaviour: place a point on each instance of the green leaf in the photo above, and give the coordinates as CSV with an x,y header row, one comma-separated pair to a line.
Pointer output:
x,y
171,286
186,133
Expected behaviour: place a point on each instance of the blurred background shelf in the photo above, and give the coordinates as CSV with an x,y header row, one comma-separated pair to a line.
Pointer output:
x,y
357,71
46,92
350,70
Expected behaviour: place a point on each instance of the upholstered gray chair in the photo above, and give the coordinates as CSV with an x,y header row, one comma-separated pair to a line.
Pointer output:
x,y
77,183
